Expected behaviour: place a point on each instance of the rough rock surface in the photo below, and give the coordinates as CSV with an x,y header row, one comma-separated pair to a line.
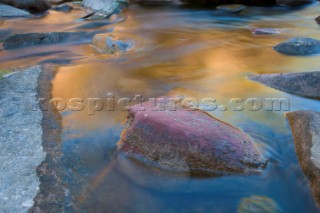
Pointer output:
x,y
188,141
305,84
33,6
258,204
109,45
106,7
4,33
299,46
8,11
20,140
30,39
305,126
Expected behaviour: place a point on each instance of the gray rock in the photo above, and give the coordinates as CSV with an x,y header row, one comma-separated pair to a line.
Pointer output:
x,y
106,7
305,126
33,6
109,45
254,2
63,8
31,39
305,84
299,46
8,11
258,204
20,140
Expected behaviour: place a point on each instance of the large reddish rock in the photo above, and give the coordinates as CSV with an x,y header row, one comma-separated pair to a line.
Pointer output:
x,y
305,126
187,140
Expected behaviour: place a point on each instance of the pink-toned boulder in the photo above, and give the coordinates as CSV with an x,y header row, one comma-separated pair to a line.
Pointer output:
x,y
186,140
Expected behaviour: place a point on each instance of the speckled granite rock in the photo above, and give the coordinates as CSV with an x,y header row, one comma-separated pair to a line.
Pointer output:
x,y
188,140
20,140
305,126
299,47
107,7
306,84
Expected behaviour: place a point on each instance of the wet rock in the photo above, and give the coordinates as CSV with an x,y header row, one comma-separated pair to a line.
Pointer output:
x,y
299,46
254,2
63,8
31,39
4,34
58,1
318,19
258,204
305,84
33,6
232,8
293,3
152,2
109,45
9,11
305,126
185,140
107,7
265,31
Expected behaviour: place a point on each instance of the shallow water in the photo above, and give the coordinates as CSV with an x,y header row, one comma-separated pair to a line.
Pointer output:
x,y
194,52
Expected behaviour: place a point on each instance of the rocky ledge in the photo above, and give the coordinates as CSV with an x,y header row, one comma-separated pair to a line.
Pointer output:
x,y
189,141
305,126
21,150
304,84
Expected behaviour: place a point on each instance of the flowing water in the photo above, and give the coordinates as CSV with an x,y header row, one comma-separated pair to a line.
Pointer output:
x,y
194,52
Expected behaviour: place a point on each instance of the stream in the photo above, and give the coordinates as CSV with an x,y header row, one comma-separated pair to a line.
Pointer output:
x,y
191,51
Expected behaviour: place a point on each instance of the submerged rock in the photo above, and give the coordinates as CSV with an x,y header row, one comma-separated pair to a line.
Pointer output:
x,y
109,45
305,126
63,8
232,8
299,46
9,11
31,39
33,6
265,31
305,84
4,34
107,7
258,204
187,140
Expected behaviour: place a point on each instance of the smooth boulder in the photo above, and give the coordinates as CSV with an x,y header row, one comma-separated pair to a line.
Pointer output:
x,y
186,140
33,6
305,84
299,47
305,126
9,11
107,44
107,7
